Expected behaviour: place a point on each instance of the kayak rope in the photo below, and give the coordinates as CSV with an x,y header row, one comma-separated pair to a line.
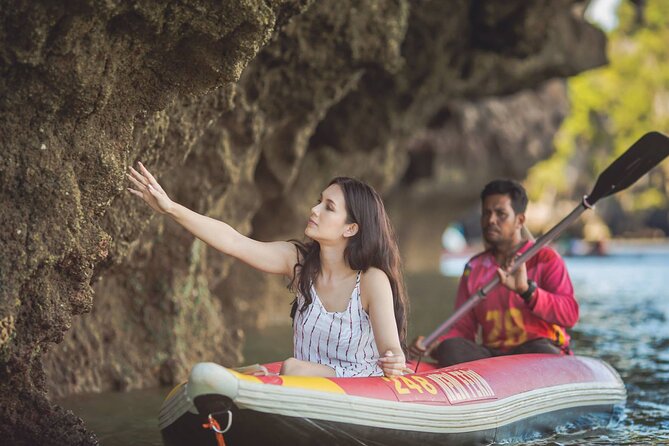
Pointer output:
x,y
218,432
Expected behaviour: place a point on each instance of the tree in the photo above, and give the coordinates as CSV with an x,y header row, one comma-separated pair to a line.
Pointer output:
x,y
611,108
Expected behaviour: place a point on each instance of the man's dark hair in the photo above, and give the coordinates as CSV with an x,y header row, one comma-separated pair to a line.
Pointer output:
x,y
512,188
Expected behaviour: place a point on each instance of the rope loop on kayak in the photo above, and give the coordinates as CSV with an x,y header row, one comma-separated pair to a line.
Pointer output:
x,y
216,427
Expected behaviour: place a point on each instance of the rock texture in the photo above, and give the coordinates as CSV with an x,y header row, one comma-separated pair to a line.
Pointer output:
x,y
88,88
465,145
244,109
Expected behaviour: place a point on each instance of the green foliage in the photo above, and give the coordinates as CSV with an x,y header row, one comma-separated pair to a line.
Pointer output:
x,y
649,198
612,107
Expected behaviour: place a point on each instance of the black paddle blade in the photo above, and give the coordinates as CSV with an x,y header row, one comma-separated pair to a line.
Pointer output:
x,y
642,156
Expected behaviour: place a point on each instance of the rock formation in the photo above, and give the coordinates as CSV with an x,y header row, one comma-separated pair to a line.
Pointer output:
x,y
244,109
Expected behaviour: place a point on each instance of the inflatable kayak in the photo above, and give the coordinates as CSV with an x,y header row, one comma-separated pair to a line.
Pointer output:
x,y
509,398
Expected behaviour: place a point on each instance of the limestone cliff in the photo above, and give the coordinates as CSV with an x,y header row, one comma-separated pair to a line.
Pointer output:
x,y
244,109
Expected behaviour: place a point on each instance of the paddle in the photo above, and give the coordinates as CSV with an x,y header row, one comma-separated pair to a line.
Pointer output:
x,y
642,156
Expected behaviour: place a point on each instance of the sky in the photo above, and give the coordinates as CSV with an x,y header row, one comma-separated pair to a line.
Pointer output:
x,y
603,13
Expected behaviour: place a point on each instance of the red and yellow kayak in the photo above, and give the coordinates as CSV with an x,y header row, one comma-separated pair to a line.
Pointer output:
x,y
509,398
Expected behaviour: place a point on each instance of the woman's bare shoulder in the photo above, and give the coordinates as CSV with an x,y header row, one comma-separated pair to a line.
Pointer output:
x,y
374,279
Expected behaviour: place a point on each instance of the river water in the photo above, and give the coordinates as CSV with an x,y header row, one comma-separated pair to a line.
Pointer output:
x,y
624,301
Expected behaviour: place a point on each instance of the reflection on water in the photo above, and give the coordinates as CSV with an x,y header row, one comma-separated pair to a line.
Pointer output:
x,y
121,419
624,311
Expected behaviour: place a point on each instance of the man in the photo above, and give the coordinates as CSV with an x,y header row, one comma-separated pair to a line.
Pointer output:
x,y
529,310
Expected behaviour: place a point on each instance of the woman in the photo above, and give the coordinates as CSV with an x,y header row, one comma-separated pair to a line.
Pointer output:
x,y
350,304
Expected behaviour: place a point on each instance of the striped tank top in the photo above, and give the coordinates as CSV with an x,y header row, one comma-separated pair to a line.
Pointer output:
x,y
341,340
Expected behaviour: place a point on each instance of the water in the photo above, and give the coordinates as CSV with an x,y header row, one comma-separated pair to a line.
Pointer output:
x,y
624,311
121,419
624,301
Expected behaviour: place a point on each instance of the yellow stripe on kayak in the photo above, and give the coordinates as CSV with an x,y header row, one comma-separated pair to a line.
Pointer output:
x,y
301,382
311,383
174,391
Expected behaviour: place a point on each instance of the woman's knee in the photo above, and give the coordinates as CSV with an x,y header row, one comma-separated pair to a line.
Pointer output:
x,y
289,366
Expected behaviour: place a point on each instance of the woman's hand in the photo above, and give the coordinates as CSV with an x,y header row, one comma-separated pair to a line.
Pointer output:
x,y
148,189
392,365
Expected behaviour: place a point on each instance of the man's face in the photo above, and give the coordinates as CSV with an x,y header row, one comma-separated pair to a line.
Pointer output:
x,y
499,223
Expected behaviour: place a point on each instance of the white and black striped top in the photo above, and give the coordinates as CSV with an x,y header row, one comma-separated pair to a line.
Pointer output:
x,y
342,340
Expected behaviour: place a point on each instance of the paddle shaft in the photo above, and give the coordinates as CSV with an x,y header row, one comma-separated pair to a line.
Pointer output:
x,y
481,294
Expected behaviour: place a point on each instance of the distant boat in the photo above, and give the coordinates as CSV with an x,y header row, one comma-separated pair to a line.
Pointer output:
x,y
579,248
452,265
500,399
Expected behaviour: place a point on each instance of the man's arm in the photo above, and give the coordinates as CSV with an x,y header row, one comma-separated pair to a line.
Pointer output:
x,y
554,300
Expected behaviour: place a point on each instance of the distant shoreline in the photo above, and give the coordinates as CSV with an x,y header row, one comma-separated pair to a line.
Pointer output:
x,y
646,245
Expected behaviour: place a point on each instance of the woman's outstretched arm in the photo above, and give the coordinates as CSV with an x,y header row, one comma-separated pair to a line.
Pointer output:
x,y
378,295
270,257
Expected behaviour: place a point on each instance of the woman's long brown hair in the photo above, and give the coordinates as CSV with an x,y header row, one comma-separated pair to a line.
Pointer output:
x,y
374,245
